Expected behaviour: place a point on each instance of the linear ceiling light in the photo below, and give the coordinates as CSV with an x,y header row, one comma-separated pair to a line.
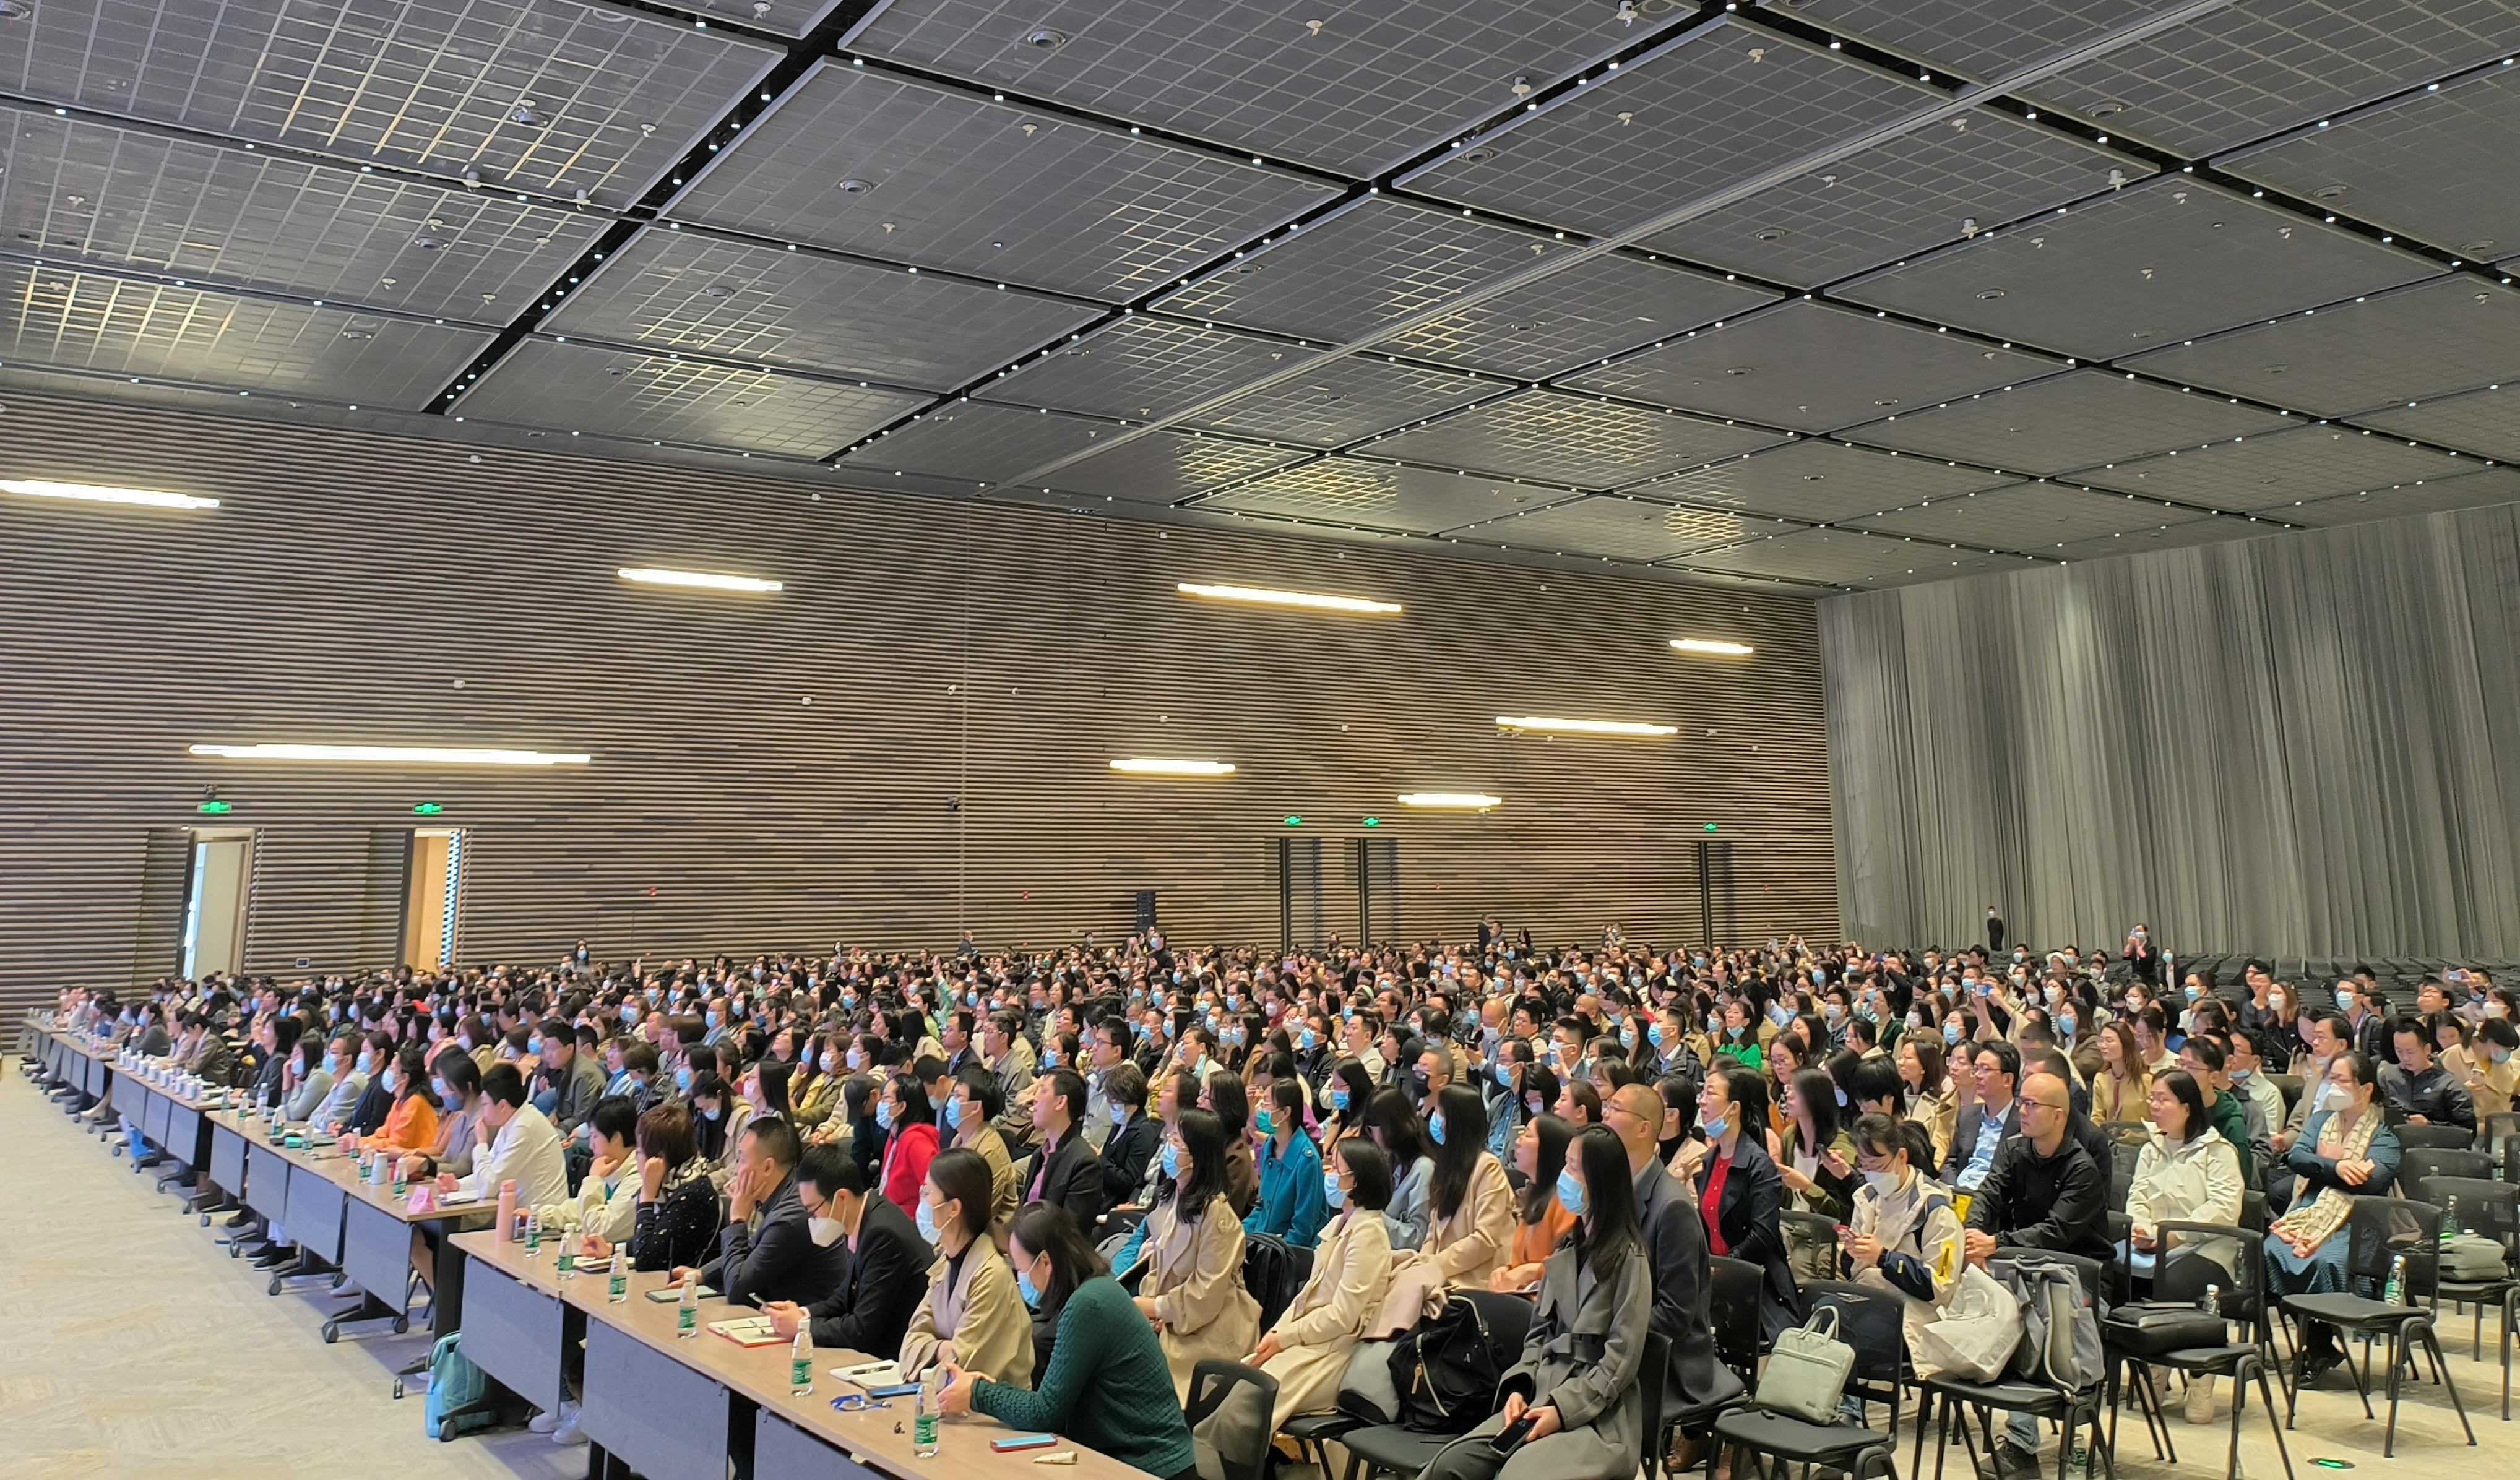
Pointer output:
x,y
1545,724
1144,766
392,755
1711,645
1268,597
1463,801
37,488
651,576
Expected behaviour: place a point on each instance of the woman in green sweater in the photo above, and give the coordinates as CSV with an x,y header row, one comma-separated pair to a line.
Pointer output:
x,y
1107,1386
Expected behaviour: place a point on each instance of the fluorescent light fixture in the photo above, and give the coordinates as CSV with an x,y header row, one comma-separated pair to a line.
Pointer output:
x,y
1268,597
649,575
1460,801
1144,766
1709,644
392,755
37,488
1544,723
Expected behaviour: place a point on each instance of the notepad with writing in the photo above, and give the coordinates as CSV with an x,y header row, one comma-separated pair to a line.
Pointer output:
x,y
749,1330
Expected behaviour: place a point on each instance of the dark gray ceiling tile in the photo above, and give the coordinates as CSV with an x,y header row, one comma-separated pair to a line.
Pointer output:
x,y
2034,519
1314,84
610,98
868,163
2163,536
1165,468
2284,468
1837,557
1346,399
2151,265
2264,66
975,440
1140,367
1812,367
2475,490
1973,38
1367,264
709,294
1571,439
2453,333
2076,420
90,322
1705,112
2483,422
1588,311
1821,482
2442,166
650,397
1971,173
1621,528
1377,495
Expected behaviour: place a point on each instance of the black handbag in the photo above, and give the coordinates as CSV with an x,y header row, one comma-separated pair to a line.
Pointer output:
x,y
2155,1328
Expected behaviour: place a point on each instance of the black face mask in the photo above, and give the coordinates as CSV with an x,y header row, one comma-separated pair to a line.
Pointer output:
x,y
1417,1084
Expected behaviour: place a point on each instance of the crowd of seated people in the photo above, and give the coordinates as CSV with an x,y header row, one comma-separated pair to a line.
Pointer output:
x,y
1047,1171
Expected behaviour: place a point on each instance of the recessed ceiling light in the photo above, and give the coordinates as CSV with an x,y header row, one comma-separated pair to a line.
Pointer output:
x,y
1148,766
15,9
1770,234
1261,596
527,113
2107,108
428,242
1549,725
1711,646
2331,192
1043,38
1462,801
649,575
1989,296
855,187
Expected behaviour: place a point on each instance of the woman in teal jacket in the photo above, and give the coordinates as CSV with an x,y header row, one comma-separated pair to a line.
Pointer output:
x,y
1290,1203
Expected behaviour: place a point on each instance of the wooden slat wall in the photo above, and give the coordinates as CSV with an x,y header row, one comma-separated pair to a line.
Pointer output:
x,y
971,668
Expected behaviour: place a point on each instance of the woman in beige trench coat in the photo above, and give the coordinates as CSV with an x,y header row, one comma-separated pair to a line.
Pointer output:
x,y
1307,1351
1193,1291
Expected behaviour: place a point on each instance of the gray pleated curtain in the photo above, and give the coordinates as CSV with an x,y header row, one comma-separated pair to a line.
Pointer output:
x,y
2304,745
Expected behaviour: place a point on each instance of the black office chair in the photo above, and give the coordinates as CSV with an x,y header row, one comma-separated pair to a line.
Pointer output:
x,y
1871,1320
2196,1257
2490,1209
1735,1285
1229,1412
2068,1410
1811,1244
1398,1450
2378,1231
2418,1167
2429,1138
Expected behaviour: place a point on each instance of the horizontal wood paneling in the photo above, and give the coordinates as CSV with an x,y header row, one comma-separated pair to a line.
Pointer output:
x,y
971,668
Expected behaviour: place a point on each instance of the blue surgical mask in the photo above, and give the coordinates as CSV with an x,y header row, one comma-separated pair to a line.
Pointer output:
x,y
1951,1033
630,1013
683,1079
1030,1292
2343,1000
1570,1193
1305,1040
534,1046
927,1221
954,1114
883,1114
1049,1059
1338,1099
1331,1192
1435,1129
1504,1076
1265,1123
363,1062
1714,1129
438,1086
2194,991
1653,1034
1172,1161
709,1018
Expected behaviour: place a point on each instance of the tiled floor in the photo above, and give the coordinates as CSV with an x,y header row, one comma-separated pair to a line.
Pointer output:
x,y
131,1345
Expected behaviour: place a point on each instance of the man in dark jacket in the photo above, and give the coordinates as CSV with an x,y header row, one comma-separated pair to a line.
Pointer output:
x,y
1066,1170
779,1260
2044,1193
1675,1249
888,1262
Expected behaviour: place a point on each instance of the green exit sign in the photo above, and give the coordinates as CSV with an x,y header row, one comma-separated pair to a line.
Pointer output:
x,y
1710,826
1373,821
1293,821
215,808
427,809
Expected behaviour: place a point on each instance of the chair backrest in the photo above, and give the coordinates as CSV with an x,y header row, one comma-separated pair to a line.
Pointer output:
x,y
1811,1244
1273,1272
2495,1133
1228,1411
1507,1319
2225,1256
1655,1381
2419,1166
2381,1229
1733,1286
2122,1156
2433,1138
1869,1320
2127,1133
2253,1211
2480,1206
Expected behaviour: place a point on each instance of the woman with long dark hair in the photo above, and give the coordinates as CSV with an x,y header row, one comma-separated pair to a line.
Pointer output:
x,y
1192,1292
1539,1154
1580,1378
1107,1386
1469,1203
1308,1349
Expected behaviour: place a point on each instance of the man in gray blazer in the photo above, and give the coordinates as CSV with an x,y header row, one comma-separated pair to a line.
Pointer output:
x,y
1676,1248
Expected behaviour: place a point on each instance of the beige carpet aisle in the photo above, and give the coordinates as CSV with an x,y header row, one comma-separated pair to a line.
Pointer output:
x,y
131,1345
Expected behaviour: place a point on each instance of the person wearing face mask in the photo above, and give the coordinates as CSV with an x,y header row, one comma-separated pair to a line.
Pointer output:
x,y
1291,1171
1192,1292
1107,1384
1393,1123
1902,1236
767,1249
2481,1061
607,1205
1135,1138
309,1062
412,1124
675,1220
972,1313
1924,1077
814,1092
346,1059
2345,1151
909,1120
880,1291
1307,1350
1504,1096
1538,1153
972,1106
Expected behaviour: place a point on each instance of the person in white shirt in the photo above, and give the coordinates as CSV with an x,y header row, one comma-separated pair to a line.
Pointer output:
x,y
607,1205
519,1144
348,1064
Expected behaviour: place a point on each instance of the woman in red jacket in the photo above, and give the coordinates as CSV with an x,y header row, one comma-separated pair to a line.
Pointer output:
x,y
908,1124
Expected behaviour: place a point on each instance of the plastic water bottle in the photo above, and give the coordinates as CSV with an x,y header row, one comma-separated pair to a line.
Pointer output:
x,y
800,1361
567,1258
2449,1222
923,1426
618,1290
2395,1292
687,1315
2212,1304
533,1235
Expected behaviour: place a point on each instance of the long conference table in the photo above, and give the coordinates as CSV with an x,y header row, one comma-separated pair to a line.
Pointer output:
x,y
654,1403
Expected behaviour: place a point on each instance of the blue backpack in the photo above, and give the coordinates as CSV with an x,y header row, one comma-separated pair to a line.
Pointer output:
x,y
454,1384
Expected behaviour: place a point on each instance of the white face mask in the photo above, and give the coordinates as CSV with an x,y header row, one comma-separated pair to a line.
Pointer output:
x,y
1883,1183
825,1232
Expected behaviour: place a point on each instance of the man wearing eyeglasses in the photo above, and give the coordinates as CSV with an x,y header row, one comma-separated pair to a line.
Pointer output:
x,y
2044,1193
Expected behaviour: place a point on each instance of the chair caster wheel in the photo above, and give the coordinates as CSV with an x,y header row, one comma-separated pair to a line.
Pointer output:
x,y
332,1332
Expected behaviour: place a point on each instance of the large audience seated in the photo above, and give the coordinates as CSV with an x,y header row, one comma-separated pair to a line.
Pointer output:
x,y
1067,1177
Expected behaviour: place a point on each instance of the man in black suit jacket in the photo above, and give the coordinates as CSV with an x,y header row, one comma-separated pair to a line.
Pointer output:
x,y
778,1261
1676,1245
1066,1171
1133,1142
887,1267
1994,932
